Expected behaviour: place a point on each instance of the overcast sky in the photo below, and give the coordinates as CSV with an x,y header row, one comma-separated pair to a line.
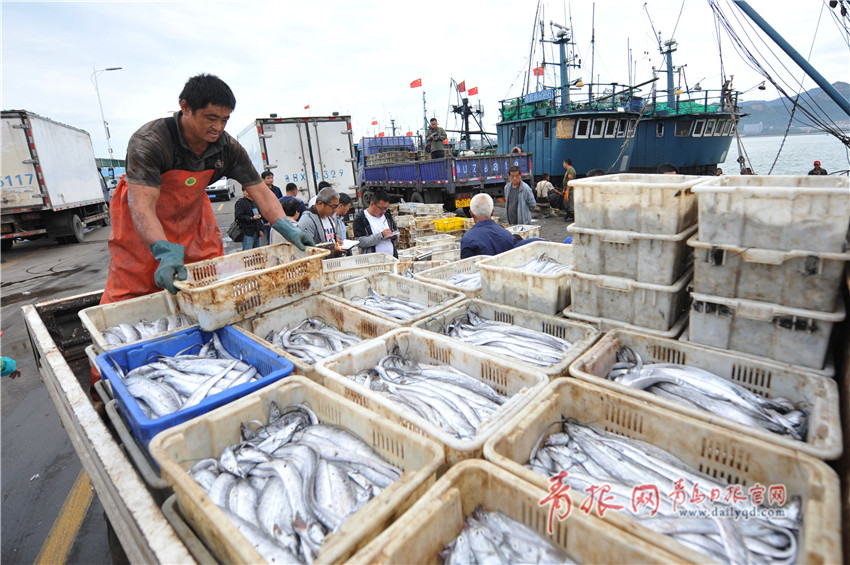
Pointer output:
x,y
358,58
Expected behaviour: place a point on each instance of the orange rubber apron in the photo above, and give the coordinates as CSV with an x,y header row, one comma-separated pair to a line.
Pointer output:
x,y
186,215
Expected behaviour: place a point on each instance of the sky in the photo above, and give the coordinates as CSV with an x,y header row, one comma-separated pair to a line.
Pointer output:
x,y
359,58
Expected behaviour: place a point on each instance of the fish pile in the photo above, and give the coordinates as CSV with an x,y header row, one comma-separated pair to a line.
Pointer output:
x,y
127,333
530,346
170,384
450,399
466,281
312,340
288,484
704,390
593,457
492,537
390,305
544,265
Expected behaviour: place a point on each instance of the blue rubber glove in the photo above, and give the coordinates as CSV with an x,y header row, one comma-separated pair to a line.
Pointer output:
x,y
295,236
170,256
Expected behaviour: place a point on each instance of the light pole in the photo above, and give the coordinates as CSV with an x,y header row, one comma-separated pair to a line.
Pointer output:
x,y
102,117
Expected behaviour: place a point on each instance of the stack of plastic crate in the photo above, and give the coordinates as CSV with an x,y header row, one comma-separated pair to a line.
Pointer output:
x,y
769,261
632,264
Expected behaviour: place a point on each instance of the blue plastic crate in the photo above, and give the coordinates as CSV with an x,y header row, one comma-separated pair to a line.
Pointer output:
x,y
271,366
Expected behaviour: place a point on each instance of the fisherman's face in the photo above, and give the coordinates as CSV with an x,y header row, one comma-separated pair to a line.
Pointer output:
x,y
206,124
515,178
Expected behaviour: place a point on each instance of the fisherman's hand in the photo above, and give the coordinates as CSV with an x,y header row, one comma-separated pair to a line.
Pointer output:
x,y
170,256
14,374
294,235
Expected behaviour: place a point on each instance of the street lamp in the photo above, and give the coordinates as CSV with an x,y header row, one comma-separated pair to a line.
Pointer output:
x,y
102,117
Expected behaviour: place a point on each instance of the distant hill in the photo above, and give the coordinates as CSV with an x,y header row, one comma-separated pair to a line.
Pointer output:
x,y
771,117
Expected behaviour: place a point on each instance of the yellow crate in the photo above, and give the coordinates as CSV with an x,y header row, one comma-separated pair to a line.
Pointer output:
x,y
448,224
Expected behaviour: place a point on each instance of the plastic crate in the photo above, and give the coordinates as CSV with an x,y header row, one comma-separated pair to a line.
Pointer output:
x,y
437,242
448,224
404,268
582,336
648,258
344,317
520,383
652,306
421,254
503,283
789,335
606,324
433,297
440,275
437,518
345,268
271,366
800,279
524,231
404,221
645,203
726,455
776,212
228,289
817,393
151,307
179,449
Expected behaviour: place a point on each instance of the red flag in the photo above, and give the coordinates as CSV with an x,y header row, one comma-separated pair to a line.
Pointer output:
x,y
473,91
415,83
538,71
461,87
410,134
375,123
307,107
380,134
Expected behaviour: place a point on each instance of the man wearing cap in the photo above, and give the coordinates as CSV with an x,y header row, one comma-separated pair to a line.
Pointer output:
x,y
817,170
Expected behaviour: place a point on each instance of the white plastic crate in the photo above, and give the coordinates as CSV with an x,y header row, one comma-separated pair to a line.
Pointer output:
x,y
433,297
724,454
649,258
581,335
817,394
645,203
607,324
519,383
179,448
800,279
652,306
525,231
345,268
150,307
418,537
228,289
776,212
438,242
409,267
789,335
440,275
503,283
419,208
344,317
404,221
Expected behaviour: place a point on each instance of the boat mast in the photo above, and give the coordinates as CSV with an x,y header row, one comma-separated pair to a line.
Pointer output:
x,y
799,59
669,47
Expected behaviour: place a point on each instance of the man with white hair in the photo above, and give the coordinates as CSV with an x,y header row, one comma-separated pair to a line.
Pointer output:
x,y
486,237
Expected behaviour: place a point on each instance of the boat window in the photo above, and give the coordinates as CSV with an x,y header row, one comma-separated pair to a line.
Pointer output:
x,y
583,128
632,125
611,128
699,126
721,126
598,125
521,136
659,129
564,128
709,127
683,128
547,127
622,125
727,127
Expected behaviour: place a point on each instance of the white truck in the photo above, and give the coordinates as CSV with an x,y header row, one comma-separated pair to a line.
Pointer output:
x,y
305,151
49,181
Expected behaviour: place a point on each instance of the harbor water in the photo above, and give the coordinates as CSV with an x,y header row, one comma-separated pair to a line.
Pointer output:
x,y
798,154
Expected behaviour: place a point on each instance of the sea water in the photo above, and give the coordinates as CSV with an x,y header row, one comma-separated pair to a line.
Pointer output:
x,y
797,157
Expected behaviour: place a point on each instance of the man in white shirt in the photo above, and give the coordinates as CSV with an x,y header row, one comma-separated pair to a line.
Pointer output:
x,y
375,228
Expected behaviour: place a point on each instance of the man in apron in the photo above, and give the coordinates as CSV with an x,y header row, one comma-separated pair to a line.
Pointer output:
x,y
161,215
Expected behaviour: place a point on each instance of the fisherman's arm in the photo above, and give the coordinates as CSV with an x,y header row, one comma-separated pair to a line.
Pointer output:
x,y
142,200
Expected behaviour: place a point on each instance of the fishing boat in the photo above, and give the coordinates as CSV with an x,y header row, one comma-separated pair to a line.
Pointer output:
x,y
615,127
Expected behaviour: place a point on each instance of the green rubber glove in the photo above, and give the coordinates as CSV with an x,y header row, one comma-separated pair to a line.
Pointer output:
x,y
295,236
170,256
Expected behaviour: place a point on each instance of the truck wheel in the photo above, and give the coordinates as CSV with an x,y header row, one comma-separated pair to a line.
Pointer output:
x,y
417,197
365,197
7,244
77,225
